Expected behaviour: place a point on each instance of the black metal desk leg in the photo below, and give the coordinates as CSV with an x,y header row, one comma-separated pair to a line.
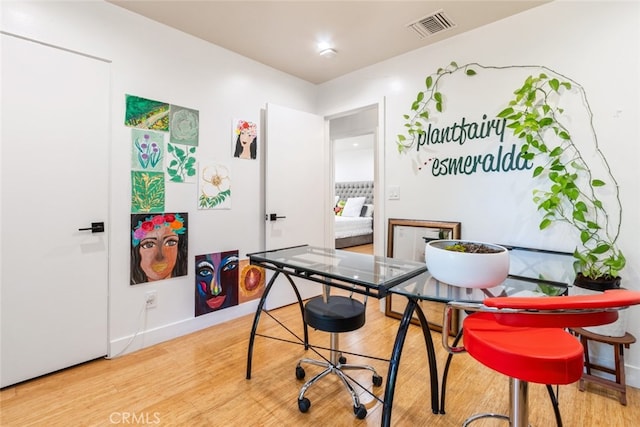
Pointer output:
x,y
395,362
431,355
256,319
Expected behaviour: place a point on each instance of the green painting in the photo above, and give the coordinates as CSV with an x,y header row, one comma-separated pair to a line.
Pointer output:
x,y
146,113
181,163
184,128
147,192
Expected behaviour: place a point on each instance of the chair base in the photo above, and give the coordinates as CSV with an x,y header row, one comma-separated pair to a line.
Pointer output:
x,y
335,367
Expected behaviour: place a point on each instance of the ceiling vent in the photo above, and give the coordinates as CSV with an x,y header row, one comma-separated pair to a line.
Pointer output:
x,y
431,24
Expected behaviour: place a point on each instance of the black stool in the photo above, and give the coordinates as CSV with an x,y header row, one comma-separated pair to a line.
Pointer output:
x,y
619,344
337,314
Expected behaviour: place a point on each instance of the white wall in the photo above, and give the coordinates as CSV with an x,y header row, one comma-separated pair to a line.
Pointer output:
x,y
568,37
153,61
353,158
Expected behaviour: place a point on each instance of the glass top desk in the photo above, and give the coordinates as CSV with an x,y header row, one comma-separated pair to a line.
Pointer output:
x,y
378,276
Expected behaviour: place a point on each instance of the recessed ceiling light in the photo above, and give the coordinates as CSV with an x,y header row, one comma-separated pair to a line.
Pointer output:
x,y
328,53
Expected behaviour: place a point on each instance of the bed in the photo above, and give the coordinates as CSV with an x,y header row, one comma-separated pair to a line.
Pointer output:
x,y
354,214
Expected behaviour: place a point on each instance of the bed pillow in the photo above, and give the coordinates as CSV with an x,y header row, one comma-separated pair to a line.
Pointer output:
x,y
339,207
367,210
353,206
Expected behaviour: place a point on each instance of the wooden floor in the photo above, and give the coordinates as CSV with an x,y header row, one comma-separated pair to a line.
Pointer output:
x,y
199,380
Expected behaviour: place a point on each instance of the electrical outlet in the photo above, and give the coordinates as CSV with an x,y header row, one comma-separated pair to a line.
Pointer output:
x,y
151,298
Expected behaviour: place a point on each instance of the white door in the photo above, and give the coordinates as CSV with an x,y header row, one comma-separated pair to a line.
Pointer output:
x,y
54,180
296,176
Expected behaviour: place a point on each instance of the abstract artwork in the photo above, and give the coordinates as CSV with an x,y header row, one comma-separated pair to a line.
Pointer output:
x,y
245,139
147,150
251,281
146,113
214,185
147,191
181,163
183,125
158,246
216,281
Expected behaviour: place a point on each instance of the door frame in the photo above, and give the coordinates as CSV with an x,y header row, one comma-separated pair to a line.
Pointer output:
x,y
379,235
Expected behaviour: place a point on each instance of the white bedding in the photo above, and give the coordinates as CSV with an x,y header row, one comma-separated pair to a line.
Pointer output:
x,y
352,226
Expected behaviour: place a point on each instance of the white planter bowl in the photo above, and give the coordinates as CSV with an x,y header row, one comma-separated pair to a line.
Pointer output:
x,y
467,270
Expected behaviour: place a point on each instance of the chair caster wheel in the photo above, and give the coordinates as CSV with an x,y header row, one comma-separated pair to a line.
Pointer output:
x,y
300,373
342,360
304,404
377,380
360,411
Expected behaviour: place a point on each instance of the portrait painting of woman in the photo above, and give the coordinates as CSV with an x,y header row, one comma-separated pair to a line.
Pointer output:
x,y
216,281
246,139
158,247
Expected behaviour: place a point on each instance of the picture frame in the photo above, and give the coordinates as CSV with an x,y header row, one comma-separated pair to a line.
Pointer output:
x,y
406,240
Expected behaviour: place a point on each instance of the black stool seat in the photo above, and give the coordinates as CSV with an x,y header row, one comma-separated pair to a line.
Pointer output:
x,y
338,314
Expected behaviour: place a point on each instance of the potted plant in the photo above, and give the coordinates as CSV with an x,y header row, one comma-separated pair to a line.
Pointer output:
x,y
568,193
467,264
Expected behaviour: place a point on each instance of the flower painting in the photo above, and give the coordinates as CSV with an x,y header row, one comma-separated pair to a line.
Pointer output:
x,y
147,150
214,186
147,191
146,113
183,125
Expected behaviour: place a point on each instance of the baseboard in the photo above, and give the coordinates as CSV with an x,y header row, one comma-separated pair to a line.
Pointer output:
x,y
149,337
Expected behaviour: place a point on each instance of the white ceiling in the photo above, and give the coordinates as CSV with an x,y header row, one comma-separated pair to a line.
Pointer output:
x,y
284,34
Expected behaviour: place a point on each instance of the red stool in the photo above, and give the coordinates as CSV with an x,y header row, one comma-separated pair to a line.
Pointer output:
x,y
525,339
619,344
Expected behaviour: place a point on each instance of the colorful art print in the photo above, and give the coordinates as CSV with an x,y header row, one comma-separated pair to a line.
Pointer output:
x,y
181,163
183,125
147,150
216,281
251,281
146,113
147,192
214,186
245,139
158,246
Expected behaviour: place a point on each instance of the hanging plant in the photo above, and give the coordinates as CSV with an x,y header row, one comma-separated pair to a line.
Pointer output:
x,y
568,192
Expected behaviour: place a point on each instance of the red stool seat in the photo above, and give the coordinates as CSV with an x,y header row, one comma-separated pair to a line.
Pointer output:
x,y
539,355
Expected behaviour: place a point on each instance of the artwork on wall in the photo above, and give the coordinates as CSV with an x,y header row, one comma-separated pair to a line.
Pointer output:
x,y
183,125
245,139
406,240
214,185
147,150
181,163
216,281
146,113
158,246
147,192
251,281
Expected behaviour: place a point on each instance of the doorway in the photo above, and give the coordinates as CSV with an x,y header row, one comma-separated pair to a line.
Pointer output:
x,y
354,148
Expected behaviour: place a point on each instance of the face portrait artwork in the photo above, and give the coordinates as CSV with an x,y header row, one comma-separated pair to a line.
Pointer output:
x,y
246,140
158,247
216,282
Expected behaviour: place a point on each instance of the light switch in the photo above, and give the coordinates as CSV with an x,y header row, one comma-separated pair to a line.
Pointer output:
x,y
394,192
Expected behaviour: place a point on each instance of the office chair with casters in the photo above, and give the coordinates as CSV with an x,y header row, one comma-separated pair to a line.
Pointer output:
x,y
334,314
525,338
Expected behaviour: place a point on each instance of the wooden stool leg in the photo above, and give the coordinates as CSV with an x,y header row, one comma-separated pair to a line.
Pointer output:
x,y
587,364
620,375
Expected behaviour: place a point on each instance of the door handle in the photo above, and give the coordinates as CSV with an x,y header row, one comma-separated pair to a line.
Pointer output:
x,y
96,227
273,217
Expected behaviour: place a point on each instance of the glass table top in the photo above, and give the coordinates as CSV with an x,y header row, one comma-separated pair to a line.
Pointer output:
x,y
363,269
426,287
